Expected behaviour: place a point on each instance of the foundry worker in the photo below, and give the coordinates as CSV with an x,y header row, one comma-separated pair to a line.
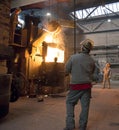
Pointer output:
x,y
55,73
13,23
80,66
106,75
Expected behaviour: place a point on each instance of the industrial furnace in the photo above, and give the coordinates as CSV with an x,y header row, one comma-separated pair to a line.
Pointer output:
x,y
45,64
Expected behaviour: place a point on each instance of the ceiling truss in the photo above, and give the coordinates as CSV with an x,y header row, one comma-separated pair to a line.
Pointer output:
x,y
97,22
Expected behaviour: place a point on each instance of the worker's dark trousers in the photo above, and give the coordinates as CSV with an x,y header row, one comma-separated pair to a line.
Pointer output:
x,y
71,100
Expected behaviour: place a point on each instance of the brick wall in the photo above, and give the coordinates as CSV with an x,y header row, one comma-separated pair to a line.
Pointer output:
x,y
4,21
4,33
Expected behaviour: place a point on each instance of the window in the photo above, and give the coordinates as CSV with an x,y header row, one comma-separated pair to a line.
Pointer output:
x,y
97,11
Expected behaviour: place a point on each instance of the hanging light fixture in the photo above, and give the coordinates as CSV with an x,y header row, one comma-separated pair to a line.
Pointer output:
x,y
52,26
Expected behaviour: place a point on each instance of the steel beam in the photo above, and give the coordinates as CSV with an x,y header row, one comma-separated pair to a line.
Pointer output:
x,y
19,3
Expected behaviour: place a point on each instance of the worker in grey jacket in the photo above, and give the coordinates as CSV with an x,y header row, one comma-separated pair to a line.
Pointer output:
x,y
81,67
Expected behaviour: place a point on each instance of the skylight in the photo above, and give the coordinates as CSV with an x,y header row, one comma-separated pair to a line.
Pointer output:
x,y
97,11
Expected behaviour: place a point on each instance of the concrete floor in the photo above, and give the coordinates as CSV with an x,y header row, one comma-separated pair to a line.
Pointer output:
x,y
28,114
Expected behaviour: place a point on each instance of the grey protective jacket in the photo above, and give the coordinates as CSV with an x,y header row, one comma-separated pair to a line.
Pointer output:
x,y
81,67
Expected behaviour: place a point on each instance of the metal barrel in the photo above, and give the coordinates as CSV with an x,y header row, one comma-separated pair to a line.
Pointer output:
x,y
5,86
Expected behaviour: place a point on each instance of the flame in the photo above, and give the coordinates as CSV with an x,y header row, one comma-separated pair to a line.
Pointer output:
x,y
54,52
55,44
49,38
53,49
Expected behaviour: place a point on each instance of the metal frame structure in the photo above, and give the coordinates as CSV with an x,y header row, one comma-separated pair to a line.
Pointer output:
x,y
96,22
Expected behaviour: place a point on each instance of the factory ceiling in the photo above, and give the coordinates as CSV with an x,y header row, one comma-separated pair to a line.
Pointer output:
x,y
62,10
79,4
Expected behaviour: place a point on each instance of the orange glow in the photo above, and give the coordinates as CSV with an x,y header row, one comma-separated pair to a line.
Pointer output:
x,y
49,38
54,52
55,45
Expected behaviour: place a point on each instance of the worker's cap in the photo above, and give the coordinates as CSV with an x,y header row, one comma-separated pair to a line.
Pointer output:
x,y
87,44
18,9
